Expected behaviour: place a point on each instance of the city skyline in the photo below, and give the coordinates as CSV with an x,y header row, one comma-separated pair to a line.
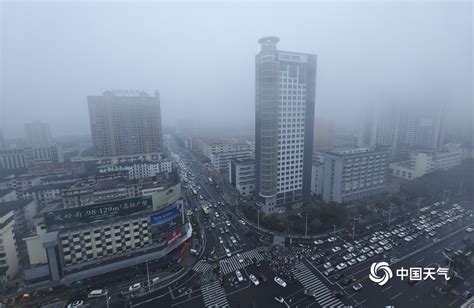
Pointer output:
x,y
344,84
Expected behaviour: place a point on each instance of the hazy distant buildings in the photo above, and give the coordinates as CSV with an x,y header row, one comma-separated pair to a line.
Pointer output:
x,y
380,127
2,140
38,134
285,95
423,126
355,175
8,249
125,123
323,135
18,158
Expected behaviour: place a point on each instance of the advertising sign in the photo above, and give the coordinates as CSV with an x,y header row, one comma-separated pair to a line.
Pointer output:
x,y
164,221
89,213
173,236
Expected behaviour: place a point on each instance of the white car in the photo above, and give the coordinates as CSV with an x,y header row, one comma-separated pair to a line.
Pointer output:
x,y
213,225
336,249
341,266
227,252
469,230
331,239
361,258
379,250
135,287
351,262
254,279
239,256
221,240
318,242
75,304
242,222
327,265
280,281
217,215
227,223
239,276
357,287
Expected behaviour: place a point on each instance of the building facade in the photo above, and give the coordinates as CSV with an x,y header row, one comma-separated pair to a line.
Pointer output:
x,y
139,169
242,176
355,175
125,123
284,119
8,250
323,135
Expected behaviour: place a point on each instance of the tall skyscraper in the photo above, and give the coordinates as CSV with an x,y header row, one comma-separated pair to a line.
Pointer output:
x,y
38,134
380,127
125,123
284,118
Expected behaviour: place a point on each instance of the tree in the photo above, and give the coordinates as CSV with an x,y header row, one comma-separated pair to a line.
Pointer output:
x,y
315,225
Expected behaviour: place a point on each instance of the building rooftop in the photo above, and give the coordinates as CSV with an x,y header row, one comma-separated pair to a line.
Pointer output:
x,y
14,205
48,187
355,151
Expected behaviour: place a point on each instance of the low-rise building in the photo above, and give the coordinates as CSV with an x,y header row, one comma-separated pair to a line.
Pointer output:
x,y
317,177
242,175
354,175
139,169
421,163
7,194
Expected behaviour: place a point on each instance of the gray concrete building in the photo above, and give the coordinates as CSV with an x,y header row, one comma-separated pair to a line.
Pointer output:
x,y
355,175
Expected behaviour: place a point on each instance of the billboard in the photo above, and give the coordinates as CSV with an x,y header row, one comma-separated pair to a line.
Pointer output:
x,y
89,213
173,236
166,220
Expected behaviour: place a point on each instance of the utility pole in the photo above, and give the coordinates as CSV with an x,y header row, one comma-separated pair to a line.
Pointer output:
x,y
148,276
258,218
419,203
306,226
389,215
353,227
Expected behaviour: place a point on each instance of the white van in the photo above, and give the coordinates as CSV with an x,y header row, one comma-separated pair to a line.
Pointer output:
x,y
96,293
193,252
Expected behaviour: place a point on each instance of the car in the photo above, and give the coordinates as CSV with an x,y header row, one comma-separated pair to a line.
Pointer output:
x,y
365,249
239,256
408,238
351,262
279,299
393,260
227,252
254,279
328,271
213,225
469,230
370,254
155,280
226,230
337,294
361,258
347,281
75,304
242,222
357,287
240,278
466,294
327,265
310,293
338,276
135,287
347,257
388,247
227,223
341,266
217,215
280,281
379,250
221,240
318,242
336,249
262,276
234,241
332,239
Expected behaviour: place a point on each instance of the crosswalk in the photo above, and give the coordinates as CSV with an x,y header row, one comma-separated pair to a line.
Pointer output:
x,y
214,295
232,264
309,281
202,266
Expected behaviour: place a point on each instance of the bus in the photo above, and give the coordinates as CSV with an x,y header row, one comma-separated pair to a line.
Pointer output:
x,y
205,209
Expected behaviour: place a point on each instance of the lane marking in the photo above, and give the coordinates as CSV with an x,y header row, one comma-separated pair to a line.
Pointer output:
x,y
394,297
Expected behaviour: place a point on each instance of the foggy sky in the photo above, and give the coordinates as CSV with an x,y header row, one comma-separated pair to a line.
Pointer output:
x,y
201,57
